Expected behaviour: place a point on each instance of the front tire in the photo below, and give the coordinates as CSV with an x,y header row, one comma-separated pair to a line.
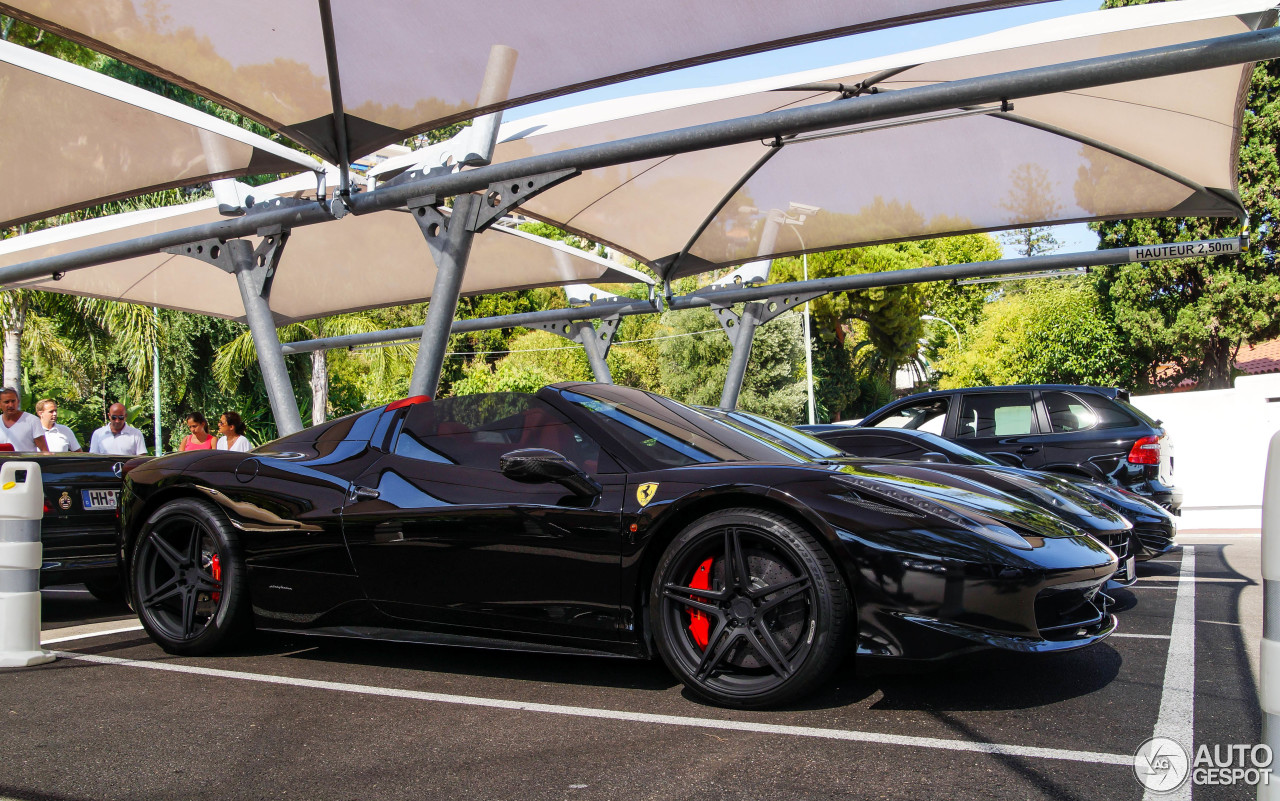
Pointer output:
x,y
188,579
748,610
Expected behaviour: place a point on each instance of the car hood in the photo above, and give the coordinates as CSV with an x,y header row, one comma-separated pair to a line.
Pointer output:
x,y
1013,496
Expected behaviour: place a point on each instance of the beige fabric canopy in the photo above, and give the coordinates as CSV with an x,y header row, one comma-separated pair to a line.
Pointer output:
x,y
405,66
353,264
74,138
1160,147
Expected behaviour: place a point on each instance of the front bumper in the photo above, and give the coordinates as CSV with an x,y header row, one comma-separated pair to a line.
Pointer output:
x,y
915,607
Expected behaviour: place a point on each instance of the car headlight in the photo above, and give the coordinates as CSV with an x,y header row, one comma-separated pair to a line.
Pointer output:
x,y
969,521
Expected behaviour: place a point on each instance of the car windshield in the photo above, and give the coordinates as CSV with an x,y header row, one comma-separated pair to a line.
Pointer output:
x,y
778,433
665,433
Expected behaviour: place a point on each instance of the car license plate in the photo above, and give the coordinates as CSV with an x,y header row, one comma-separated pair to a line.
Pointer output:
x,y
1130,569
99,499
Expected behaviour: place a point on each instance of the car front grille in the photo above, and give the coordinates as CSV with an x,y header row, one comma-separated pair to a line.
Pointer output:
x,y
1118,541
1155,538
1062,611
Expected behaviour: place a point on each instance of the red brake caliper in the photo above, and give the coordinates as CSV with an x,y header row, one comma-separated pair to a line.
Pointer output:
x,y
215,569
699,625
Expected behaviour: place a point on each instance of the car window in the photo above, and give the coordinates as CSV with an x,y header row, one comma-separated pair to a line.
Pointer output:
x,y
1068,413
1003,414
924,415
660,432
1117,413
872,447
476,430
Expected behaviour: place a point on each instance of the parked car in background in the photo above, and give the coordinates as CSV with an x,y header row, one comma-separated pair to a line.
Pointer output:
x,y
1154,528
1093,432
1046,491
78,530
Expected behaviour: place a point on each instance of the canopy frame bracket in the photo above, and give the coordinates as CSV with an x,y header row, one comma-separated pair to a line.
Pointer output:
x,y
254,269
449,239
741,331
503,196
595,340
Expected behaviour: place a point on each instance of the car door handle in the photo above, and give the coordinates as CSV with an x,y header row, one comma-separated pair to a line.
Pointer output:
x,y
359,493
1028,449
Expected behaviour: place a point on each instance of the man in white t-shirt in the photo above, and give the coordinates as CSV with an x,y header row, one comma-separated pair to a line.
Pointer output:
x,y
20,429
118,437
58,437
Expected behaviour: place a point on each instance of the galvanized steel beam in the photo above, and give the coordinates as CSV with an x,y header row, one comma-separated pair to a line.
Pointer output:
x,y
1072,76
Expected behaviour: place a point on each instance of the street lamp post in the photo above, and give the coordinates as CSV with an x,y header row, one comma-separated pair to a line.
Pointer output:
x,y
944,321
795,222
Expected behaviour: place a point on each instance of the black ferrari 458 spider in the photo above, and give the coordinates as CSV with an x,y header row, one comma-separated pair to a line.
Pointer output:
x,y
594,518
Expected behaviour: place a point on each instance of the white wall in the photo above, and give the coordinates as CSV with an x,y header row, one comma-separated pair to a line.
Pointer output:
x,y
1220,440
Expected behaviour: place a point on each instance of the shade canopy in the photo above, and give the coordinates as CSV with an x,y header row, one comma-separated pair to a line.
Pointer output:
x,y
404,66
74,138
1155,147
353,264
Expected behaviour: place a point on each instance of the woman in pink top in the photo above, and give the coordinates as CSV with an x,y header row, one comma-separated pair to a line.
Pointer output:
x,y
199,439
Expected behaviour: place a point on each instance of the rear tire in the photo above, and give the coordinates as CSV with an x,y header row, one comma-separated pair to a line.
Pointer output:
x,y
748,610
188,579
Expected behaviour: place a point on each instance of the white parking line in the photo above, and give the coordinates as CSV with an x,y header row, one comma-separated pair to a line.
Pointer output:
x,y
1142,636
877,738
86,635
1176,719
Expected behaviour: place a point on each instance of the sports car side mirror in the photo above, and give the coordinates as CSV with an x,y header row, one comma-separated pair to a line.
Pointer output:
x,y
541,466
935,457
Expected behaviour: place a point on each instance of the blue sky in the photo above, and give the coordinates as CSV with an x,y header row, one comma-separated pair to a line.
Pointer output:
x,y
838,51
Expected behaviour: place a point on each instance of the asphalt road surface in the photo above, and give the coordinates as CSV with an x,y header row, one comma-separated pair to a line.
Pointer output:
x,y
117,718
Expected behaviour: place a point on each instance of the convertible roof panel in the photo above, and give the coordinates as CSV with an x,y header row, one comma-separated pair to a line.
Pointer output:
x,y
76,138
357,263
406,66
1156,147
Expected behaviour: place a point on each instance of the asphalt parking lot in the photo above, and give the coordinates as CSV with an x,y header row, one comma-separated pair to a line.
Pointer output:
x,y
117,718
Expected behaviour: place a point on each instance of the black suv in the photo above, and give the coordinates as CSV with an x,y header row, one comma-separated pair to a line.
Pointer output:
x,y
1063,428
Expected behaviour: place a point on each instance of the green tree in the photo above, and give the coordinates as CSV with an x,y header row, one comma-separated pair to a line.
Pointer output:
x,y
1196,313
240,355
1054,333
694,362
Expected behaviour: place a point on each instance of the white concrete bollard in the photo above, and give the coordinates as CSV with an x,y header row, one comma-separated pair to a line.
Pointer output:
x,y
1269,667
21,508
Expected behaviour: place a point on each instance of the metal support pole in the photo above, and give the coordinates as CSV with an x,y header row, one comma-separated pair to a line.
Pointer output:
x,y
742,332
812,289
155,382
1269,666
450,243
253,274
595,355
808,351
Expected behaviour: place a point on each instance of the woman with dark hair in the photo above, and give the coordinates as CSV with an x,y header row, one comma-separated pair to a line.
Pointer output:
x,y
231,427
199,439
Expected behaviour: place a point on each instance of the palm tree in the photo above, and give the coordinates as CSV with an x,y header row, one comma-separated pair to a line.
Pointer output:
x,y
76,336
240,354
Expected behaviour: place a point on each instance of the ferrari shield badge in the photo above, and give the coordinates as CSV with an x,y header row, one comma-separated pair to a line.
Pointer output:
x,y
64,502
645,492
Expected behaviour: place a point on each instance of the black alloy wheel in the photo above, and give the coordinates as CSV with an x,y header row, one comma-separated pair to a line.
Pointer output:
x,y
748,610
187,578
